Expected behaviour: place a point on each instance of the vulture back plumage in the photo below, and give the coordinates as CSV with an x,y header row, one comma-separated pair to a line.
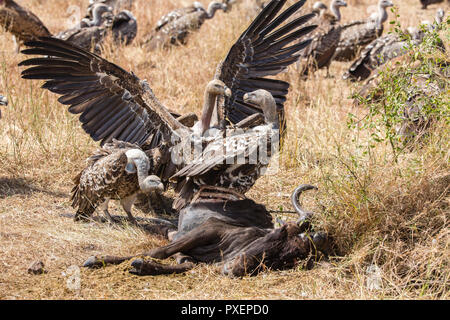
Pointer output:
x,y
21,22
356,35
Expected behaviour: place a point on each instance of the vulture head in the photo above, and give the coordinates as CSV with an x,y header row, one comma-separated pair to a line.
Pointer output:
x,y
264,100
217,87
385,3
138,162
335,6
214,6
98,13
319,7
228,4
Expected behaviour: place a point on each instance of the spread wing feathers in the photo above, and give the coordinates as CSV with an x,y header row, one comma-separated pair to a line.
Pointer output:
x,y
110,100
21,22
246,148
262,50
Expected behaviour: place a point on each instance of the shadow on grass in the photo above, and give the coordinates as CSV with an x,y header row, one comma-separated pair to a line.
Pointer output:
x,y
153,226
21,186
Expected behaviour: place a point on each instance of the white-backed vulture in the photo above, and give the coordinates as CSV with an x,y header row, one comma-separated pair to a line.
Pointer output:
x,y
325,39
116,104
175,27
117,171
356,35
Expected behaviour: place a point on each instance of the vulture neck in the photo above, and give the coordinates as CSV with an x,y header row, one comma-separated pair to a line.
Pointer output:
x,y
212,8
270,111
334,8
439,17
142,164
382,16
208,108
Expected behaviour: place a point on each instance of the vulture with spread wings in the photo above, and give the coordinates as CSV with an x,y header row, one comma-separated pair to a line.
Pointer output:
x,y
116,104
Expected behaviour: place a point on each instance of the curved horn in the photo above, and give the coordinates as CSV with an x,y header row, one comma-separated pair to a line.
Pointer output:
x,y
304,215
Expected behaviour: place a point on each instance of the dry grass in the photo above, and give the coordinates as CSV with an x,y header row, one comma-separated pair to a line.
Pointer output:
x,y
392,215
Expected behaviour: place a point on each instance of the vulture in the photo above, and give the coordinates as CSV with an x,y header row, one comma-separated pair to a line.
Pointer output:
x,y
119,171
174,27
123,24
3,102
384,49
21,22
124,27
425,3
90,33
116,104
324,39
357,34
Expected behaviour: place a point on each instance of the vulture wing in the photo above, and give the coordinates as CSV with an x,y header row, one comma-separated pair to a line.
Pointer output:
x,y
262,50
21,22
240,148
113,103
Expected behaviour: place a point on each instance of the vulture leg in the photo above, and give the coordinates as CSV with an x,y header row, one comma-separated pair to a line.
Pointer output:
x,y
127,203
104,208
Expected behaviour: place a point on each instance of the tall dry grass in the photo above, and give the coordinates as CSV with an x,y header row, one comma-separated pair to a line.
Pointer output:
x,y
387,216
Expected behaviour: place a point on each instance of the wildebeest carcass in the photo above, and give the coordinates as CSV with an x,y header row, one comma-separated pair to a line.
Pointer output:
x,y
221,227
